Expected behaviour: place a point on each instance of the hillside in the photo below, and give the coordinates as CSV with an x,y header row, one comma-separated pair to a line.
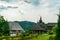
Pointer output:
x,y
26,25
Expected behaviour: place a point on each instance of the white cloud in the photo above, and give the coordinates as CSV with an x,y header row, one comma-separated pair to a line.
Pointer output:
x,y
10,0
47,9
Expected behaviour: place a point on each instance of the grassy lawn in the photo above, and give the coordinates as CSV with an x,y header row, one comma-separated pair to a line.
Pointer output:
x,y
38,37
41,37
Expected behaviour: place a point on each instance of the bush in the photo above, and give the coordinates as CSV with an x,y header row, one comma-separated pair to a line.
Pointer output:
x,y
50,32
51,38
55,28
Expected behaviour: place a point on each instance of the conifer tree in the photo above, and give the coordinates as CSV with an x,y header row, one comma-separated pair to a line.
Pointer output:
x,y
57,37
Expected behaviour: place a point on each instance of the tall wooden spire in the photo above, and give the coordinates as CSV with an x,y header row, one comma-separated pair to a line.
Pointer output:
x,y
40,20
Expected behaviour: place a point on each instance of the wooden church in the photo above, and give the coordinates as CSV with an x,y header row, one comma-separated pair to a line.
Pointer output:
x,y
15,28
41,27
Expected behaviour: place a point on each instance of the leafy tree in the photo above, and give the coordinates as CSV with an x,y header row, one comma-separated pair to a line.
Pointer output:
x,y
55,29
4,28
57,37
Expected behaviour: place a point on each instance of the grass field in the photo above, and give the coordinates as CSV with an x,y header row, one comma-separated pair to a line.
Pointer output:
x,y
41,37
33,37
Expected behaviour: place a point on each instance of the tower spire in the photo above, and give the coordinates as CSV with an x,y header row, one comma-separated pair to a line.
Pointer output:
x,y
40,20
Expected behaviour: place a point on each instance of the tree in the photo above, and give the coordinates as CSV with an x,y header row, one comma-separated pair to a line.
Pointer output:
x,y
54,29
57,37
4,27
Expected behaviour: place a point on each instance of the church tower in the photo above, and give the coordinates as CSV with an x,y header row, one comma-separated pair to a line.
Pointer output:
x,y
40,21
40,27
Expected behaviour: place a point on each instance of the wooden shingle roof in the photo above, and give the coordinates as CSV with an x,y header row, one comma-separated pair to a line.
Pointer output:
x,y
51,24
15,26
39,26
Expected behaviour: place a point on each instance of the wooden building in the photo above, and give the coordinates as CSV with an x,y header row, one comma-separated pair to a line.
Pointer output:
x,y
50,25
15,28
41,27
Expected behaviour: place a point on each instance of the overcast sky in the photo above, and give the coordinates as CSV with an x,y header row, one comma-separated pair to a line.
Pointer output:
x,y
30,10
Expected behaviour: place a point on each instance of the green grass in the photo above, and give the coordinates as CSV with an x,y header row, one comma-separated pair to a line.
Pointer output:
x,y
41,37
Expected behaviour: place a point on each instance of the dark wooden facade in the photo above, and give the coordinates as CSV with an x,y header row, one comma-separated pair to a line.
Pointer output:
x,y
41,27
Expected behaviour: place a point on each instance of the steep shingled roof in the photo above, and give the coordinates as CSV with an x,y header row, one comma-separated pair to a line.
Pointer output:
x,y
40,25
15,26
